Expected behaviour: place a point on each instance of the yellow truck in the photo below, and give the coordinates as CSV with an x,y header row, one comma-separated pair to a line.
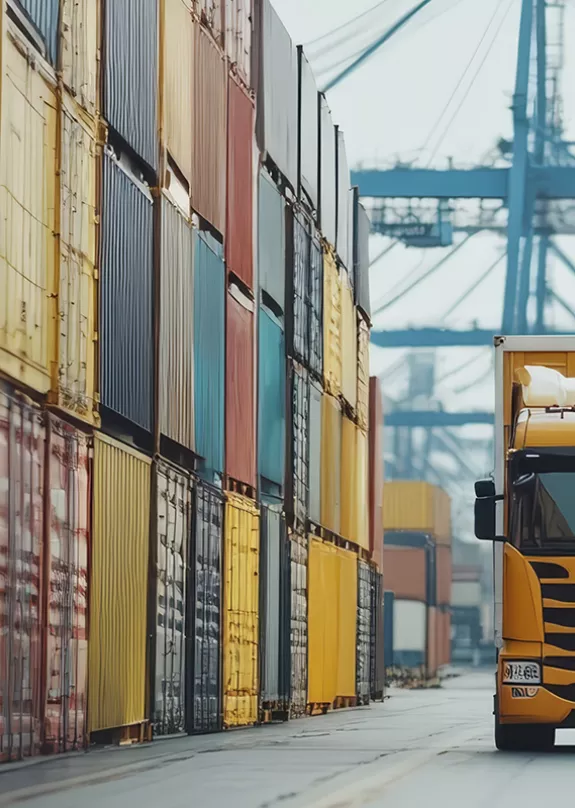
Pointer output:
x,y
528,512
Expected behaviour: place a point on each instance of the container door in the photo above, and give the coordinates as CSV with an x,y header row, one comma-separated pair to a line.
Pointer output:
x,y
299,610
363,644
388,640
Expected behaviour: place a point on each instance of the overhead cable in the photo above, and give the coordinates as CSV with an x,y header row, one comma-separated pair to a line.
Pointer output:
x,y
474,286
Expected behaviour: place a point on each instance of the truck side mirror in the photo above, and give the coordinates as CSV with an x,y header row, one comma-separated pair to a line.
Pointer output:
x,y
484,488
485,518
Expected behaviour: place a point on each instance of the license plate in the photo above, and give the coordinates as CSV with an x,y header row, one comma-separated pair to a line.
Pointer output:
x,y
515,673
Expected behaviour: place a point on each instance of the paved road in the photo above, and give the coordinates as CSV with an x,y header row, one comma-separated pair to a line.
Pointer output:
x,y
421,748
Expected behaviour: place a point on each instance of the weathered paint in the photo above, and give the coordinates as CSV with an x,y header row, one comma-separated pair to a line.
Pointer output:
x,y
118,586
297,467
362,396
332,326
348,343
240,183
177,74
45,16
331,446
298,548
417,506
79,51
272,398
211,15
239,37
315,416
363,635
271,239
27,220
241,611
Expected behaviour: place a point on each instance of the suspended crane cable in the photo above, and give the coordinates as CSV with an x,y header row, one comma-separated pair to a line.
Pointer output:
x,y
385,251
474,383
454,371
474,286
344,25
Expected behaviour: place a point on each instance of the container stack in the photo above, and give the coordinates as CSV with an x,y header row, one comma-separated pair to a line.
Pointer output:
x,y
417,563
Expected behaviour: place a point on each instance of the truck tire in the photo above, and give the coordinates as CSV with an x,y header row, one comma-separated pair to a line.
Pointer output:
x,y
523,737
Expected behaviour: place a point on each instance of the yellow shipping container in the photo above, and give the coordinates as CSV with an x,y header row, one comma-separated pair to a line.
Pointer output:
x,y
362,373
417,506
332,616
79,48
362,496
354,485
348,343
178,74
74,374
241,611
331,456
118,586
332,325
28,133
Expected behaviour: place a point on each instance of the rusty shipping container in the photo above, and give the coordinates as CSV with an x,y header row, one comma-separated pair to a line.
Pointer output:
x,y
363,634
332,326
238,36
331,456
406,572
118,586
299,549
173,511
433,649
362,397
376,488
27,210
444,575
22,451
417,506
211,15
327,176
308,133
240,409
240,191
178,86
271,239
361,262
176,369
66,554
241,611
80,24
209,130
349,344
298,446
131,45
204,610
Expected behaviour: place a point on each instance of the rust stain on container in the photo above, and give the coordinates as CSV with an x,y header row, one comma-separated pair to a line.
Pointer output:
x,y
79,51
209,130
417,506
240,399
118,586
405,572
331,457
348,343
211,14
240,195
375,459
362,373
332,325
178,86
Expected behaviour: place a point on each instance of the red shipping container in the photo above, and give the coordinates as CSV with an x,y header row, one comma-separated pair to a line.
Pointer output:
x,y
66,579
376,473
240,191
444,575
405,572
240,393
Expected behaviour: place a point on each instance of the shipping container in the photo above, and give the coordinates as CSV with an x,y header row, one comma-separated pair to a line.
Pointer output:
x,y
118,586
271,239
361,261
275,611
315,419
204,612
376,489
308,133
131,74
377,639
409,633
272,399
327,168
240,191
406,571
74,386
239,38
298,549
22,451
209,130
241,611
349,343
363,639
362,489
66,554
297,478
388,622
298,257
126,286
466,593
173,511
276,83
444,634
27,200
362,396
315,306
331,457
211,14
45,14
433,650
444,574
347,621
240,410
332,326
342,203
417,506
209,354
80,22
354,521
178,86
176,370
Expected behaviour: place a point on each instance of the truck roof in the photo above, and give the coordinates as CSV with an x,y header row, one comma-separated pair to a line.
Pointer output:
x,y
537,428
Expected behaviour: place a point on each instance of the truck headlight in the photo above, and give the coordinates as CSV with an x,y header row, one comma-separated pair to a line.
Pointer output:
x,y
521,673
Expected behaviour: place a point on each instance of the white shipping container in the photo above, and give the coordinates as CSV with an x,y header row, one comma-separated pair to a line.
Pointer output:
x,y
466,593
239,37
409,626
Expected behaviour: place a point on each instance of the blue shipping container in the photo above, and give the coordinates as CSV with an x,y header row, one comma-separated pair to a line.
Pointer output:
x,y
271,409
44,15
209,353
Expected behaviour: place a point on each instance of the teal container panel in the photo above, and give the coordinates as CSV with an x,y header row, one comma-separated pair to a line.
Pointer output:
x,y
271,410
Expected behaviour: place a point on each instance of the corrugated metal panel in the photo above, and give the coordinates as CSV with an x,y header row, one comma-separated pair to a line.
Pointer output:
x,y
239,222
328,184
343,183
205,612
409,628
348,343
74,386
297,475
126,344
432,661
388,622
332,326
308,132
277,100
331,445
22,437
272,398
272,239
375,472
118,586
299,623
131,74
362,373
177,327
178,76
209,137
315,306
347,620
173,492
406,571
241,613
209,352
211,14
377,650
348,481
297,289
417,506
363,637
240,411
444,575
362,490
27,198
239,37
315,416
80,45
362,229
44,14
66,575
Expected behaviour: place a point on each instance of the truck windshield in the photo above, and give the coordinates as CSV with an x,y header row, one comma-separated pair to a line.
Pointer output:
x,y
545,513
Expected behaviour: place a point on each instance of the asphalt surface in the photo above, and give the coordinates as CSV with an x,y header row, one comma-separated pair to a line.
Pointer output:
x,y
421,748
